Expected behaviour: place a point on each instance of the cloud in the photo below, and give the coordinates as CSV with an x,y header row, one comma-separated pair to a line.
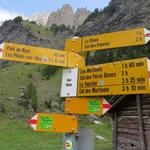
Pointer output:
x,y
9,15
6,15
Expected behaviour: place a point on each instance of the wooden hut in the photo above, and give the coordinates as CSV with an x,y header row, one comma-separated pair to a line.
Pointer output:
x,y
131,122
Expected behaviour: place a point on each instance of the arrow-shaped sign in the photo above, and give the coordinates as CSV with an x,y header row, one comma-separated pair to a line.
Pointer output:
x,y
126,38
97,106
117,78
31,54
54,123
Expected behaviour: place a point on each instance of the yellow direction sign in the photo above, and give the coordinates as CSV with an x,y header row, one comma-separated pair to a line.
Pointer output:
x,y
30,54
133,37
118,78
54,123
97,106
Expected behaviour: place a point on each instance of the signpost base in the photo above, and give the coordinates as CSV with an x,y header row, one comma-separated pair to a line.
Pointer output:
x,y
84,140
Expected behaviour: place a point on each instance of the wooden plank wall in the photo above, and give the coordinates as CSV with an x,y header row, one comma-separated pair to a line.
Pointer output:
x,y
128,130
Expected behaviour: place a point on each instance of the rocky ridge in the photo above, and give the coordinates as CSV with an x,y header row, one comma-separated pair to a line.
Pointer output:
x,y
65,16
22,33
40,18
119,15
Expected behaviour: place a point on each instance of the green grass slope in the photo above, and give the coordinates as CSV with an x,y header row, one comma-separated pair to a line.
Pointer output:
x,y
16,134
17,75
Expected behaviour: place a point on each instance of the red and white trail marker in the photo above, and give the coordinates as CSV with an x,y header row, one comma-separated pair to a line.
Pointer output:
x,y
147,35
33,122
1,50
106,106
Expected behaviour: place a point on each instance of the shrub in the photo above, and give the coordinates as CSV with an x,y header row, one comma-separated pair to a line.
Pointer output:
x,y
31,95
47,71
54,28
18,19
61,28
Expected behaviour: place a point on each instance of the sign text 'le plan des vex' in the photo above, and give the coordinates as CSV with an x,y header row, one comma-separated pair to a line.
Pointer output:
x,y
31,54
118,78
132,37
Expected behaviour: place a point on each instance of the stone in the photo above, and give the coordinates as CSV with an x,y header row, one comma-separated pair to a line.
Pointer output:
x,y
10,98
97,122
98,137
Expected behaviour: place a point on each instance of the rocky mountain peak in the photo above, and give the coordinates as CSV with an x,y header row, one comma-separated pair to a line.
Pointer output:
x,y
67,8
63,15
80,15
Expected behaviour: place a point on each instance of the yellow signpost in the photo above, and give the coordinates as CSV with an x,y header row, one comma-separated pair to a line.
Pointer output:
x,y
54,123
96,106
30,54
133,37
118,78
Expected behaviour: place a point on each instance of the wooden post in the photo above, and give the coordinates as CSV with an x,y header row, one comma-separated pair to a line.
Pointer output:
x,y
141,126
115,132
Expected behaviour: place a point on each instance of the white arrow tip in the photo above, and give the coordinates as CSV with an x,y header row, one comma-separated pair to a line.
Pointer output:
x,y
1,50
33,122
147,35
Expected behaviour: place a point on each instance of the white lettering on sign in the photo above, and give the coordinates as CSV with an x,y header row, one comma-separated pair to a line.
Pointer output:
x,y
69,83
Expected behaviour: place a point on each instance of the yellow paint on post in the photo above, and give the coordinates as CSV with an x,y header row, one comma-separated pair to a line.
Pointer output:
x,y
75,60
118,78
31,54
133,37
57,123
73,45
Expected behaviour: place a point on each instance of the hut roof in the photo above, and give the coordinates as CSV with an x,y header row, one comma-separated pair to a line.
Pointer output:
x,y
119,101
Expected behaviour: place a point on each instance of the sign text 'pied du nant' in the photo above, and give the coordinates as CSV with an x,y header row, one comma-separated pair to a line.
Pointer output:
x,y
31,54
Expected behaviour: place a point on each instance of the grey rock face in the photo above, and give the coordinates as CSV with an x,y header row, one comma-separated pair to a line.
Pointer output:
x,y
18,33
119,15
80,16
64,16
1,23
40,18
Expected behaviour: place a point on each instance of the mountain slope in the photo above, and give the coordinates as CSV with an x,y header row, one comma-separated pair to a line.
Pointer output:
x,y
29,33
119,15
15,75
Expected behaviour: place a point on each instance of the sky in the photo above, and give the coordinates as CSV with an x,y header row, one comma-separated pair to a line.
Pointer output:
x,y
12,8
